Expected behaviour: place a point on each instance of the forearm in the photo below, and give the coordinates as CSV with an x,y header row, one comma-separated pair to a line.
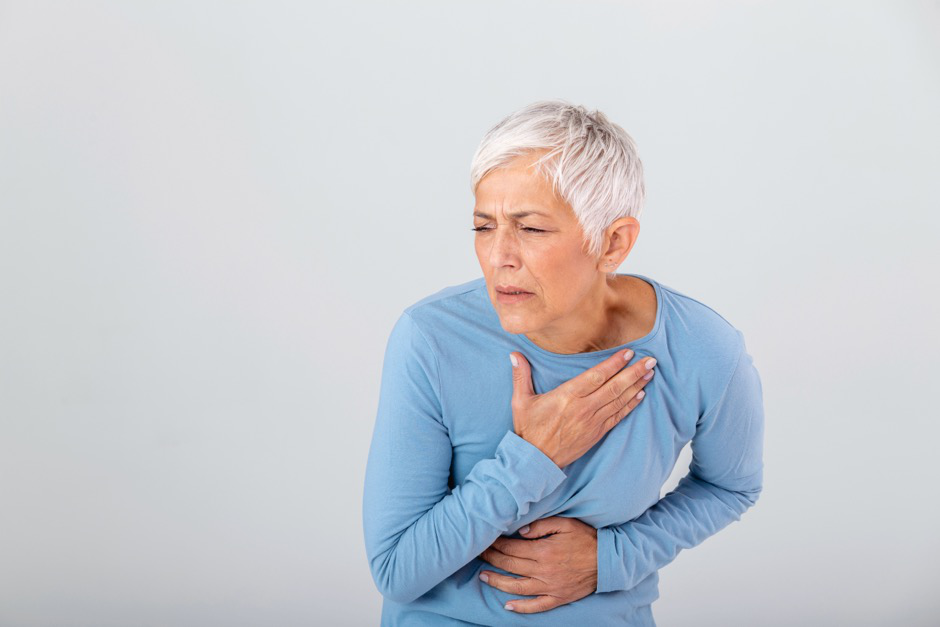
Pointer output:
x,y
725,479
684,518
410,553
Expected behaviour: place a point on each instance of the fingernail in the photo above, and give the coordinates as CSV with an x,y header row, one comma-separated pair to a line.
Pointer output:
x,y
524,529
512,358
508,606
628,355
650,363
484,577
649,375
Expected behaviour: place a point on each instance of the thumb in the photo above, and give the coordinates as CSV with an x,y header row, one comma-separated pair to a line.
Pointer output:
x,y
521,377
543,527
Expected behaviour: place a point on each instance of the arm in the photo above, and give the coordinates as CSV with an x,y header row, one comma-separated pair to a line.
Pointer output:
x,y
417,531
724,479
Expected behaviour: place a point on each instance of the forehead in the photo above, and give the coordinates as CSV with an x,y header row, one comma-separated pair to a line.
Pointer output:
x,y
517,191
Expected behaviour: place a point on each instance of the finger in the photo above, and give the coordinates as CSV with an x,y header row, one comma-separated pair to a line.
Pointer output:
x,y
531,606
522,387
546,526
618,409
613,420
512,585
622,382
515,547
594,377
514,565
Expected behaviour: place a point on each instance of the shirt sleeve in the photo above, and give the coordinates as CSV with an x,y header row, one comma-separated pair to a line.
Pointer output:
x,y
725,478
418,531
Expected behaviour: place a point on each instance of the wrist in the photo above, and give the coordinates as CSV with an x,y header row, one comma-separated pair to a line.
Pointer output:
x,y
551,454
534,441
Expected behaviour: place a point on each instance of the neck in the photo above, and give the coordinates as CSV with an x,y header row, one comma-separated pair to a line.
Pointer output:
x,y
599,321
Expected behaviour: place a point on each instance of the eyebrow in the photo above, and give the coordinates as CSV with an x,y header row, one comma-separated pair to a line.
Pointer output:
x,y
514,215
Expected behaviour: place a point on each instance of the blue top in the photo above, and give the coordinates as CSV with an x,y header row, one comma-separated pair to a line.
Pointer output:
x,y
447,475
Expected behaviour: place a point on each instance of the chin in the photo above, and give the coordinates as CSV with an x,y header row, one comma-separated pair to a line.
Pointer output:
x,y
514,324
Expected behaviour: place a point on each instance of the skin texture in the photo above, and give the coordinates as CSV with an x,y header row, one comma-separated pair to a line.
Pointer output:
x,y
558,564
577,307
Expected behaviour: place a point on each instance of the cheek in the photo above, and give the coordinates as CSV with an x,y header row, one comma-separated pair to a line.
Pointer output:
x,y
478,249
541,257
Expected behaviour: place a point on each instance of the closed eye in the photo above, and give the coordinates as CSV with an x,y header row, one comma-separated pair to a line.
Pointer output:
x,y
525,228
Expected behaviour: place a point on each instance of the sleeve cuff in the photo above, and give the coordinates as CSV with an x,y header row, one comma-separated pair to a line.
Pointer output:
x,y
609,576
532,475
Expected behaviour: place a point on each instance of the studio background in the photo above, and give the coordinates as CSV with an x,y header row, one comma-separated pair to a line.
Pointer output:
x,y
212,213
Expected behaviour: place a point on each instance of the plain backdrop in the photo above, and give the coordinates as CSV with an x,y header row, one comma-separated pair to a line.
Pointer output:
x,y
212,213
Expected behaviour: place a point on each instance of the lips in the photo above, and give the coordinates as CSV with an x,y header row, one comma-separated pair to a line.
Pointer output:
x,y
510,289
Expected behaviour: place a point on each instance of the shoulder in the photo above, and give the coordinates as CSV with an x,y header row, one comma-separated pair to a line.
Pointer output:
x,y
709,330
710,344
445,296
450,311
463,309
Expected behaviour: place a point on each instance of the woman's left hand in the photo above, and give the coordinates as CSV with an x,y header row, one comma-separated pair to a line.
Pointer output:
x,y
559,564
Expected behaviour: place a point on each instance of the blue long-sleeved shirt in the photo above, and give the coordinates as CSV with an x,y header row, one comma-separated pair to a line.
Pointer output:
x,y
447,475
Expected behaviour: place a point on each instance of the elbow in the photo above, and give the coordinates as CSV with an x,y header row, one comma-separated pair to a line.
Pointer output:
x,y
743,493
746,499
391,584
749,497
398,593
738,499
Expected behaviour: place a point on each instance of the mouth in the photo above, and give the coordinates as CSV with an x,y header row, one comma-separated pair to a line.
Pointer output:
x,y
510,289
510,294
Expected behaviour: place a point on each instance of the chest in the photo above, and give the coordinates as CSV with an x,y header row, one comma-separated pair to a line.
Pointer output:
x,y
616,480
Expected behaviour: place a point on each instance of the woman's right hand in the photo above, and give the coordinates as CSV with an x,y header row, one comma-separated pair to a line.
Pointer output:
x,y
566,422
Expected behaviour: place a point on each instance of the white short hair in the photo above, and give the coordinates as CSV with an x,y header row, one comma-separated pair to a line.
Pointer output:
x,y
592,162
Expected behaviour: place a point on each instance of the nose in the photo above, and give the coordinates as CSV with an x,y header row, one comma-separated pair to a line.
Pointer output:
x,y
504,248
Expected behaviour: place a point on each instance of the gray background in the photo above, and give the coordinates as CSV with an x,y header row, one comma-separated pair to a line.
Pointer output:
x,y
213,213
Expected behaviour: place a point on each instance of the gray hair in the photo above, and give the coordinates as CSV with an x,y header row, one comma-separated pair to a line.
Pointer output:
x,y
592,162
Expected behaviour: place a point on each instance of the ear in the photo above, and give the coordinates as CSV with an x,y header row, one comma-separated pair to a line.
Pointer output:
x,y
619,239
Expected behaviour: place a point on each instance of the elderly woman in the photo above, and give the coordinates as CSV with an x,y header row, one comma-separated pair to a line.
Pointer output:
x,y
528,419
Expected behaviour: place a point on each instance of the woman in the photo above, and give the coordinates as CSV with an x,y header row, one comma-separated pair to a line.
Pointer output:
x,y
531,485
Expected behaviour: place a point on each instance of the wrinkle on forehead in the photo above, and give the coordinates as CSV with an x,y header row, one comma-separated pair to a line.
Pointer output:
x,y
510,194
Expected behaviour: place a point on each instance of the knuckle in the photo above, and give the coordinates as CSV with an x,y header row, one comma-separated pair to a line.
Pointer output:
x,y
517,585
623,413
568,403
595,377
616,389
624,399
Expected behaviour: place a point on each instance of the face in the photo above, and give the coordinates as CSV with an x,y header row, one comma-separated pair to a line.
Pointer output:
x,y
529,239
